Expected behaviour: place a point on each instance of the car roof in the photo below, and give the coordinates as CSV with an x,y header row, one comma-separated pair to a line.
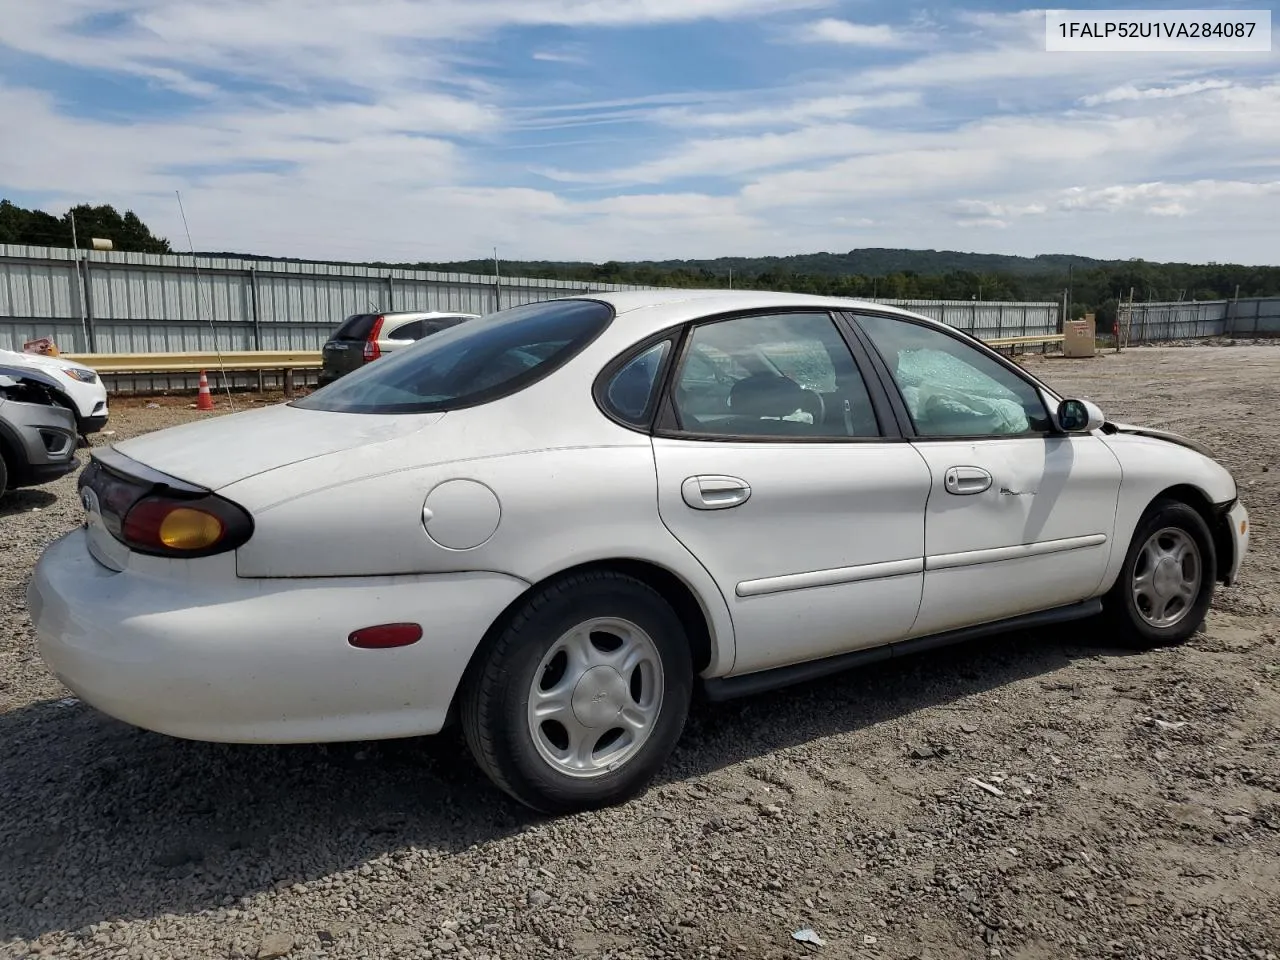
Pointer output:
x,y
422,314
649,311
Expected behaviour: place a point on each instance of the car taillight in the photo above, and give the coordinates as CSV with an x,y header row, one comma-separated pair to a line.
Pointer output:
x,y
371,349
178,527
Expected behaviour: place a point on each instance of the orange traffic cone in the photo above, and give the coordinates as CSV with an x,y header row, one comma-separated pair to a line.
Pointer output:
x,y
205,400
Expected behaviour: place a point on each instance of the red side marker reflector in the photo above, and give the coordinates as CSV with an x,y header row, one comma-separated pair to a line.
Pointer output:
x,y
386,635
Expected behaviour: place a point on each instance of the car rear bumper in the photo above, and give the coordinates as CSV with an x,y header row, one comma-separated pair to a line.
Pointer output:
x,y
258,661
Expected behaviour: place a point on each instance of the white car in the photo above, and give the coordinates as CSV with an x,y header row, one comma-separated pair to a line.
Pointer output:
x,y
552,523
80,388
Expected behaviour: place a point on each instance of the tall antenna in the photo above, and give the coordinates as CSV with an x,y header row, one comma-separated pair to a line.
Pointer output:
x,y
226,384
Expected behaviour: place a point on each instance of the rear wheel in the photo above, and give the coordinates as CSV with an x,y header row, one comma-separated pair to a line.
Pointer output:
x,y
581,698
1166,585
4,474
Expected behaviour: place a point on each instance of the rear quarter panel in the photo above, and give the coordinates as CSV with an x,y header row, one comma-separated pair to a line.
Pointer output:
x,y
573,488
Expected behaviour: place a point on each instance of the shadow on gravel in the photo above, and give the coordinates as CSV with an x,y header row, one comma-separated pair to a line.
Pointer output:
x,y
101,821
24,500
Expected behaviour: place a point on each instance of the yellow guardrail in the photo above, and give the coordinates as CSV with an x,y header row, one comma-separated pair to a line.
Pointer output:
x,y
240,360
1021,341
195,362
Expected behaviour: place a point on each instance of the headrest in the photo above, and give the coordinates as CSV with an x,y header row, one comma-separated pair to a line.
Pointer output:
x,y
766,395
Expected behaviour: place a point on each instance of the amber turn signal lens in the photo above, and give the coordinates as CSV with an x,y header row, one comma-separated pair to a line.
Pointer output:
x,y
187,529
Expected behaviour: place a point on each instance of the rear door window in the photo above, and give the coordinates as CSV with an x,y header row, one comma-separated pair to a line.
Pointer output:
x,y
408,331
471,363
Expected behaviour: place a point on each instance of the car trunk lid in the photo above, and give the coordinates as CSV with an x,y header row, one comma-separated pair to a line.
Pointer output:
x,y
219,451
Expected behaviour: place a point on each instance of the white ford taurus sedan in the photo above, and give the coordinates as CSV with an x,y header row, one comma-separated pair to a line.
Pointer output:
x,y
552,522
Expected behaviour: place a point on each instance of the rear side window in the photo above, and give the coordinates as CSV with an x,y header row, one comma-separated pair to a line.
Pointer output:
x,y
430,327
630,392
469,364
356,327
408,331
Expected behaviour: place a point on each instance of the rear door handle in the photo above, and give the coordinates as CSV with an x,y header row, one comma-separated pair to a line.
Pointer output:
x,y
966,481
715,493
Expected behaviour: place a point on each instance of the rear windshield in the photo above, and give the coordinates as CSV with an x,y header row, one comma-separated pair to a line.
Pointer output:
x,y
468,364
355,327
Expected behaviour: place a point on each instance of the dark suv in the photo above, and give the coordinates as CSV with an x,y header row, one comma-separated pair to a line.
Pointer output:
x,y
367,336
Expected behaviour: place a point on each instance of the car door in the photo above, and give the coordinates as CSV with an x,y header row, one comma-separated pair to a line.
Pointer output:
x,y
774,472
1021,516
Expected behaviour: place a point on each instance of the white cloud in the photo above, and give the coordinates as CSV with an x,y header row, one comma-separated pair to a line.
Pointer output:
x,y
791,114
978,209
372,44
1161,199
1130,92
831,30
1004,54
550,56
364,130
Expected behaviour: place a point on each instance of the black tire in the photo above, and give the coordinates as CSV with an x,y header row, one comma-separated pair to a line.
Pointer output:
x,y
4,475
1129,624
497,690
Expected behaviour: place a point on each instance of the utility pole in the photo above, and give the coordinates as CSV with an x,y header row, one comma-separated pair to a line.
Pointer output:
x,y
497,283
1070,302
75,242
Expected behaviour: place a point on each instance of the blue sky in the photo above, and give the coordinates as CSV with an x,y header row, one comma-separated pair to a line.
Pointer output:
x,y
619,129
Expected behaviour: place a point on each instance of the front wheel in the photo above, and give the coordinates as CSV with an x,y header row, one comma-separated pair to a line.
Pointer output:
x,y
1166,584
580,699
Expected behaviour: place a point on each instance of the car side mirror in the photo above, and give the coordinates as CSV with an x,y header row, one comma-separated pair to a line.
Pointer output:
x,y
1079,416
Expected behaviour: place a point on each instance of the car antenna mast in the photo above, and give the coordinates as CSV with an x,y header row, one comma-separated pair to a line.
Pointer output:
x,y
222,367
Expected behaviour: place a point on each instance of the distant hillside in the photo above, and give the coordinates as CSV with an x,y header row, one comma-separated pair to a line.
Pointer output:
x,y
869,261
876,273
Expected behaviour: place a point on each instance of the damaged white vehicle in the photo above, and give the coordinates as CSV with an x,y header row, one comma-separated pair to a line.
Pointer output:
x,y
553,522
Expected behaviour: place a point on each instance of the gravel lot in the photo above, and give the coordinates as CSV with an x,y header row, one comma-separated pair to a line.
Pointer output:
x,y
1138,813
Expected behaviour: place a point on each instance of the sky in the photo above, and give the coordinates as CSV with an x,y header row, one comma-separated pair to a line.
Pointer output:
x,y
410,130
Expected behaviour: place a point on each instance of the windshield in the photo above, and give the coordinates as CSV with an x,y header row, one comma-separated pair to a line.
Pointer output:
x,y
469,364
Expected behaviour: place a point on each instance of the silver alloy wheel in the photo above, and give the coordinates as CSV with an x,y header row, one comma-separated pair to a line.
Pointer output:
x,y
595,697
1166,577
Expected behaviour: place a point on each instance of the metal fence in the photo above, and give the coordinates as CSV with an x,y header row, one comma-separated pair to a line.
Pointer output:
x,y
150,303
1159,322
988,320
109,302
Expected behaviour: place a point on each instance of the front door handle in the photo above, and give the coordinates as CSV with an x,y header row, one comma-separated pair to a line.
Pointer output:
x,y
966,481
715,493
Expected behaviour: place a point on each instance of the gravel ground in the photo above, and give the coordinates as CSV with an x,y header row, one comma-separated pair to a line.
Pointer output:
x,y
1135,810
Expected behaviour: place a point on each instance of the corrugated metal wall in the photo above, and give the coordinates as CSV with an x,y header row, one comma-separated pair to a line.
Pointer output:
x,y
988,320
1157,322
147,303
150,303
